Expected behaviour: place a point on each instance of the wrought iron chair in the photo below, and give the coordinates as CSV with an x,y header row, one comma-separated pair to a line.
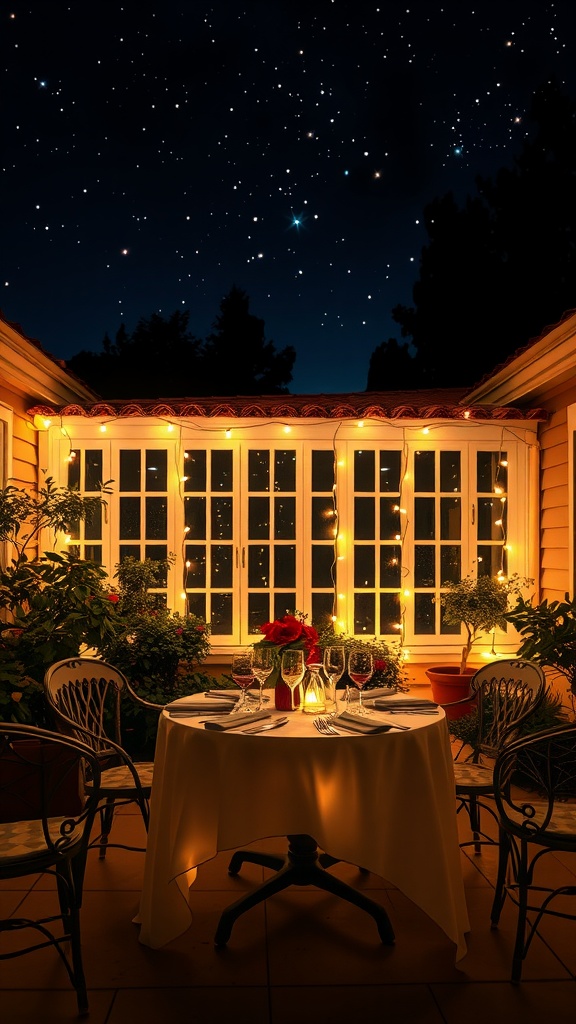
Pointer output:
x,y
45,825
534,777
503,695
84,694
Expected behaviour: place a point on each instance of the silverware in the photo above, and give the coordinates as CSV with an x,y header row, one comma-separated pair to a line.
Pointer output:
x,y
323,726
266,727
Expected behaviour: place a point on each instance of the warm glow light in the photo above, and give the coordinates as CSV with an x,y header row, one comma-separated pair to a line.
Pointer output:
x,y
228,432
406,593
183,479
170,428
103,428
287,430
360,423
186,529
426,430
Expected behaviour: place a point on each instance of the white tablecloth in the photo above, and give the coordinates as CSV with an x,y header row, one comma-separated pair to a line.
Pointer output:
x,y
384,802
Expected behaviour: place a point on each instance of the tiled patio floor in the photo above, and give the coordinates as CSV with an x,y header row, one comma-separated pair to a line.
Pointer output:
x,y
302,956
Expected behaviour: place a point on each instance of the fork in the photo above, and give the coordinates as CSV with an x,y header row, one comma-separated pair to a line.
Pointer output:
x,y
323,726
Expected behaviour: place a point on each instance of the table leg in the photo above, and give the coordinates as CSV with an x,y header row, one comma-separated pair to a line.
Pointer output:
x,y
301,866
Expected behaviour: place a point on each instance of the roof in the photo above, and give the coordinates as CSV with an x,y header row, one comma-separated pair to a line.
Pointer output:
x,y
437,403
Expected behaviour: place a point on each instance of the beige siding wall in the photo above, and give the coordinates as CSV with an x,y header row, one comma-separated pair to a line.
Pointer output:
x,y
22,471
555,518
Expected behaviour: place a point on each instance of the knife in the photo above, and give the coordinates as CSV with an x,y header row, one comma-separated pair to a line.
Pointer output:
x,y
265,728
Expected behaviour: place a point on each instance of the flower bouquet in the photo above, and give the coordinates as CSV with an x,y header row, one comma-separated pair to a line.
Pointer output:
x,y
289,633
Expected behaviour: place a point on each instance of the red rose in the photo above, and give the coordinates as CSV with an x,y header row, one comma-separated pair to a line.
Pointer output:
x,y
379,666
113,598
283,631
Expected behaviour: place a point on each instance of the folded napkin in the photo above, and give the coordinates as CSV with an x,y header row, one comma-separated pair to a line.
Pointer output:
x,y
359,723
405,704
377,691
203,702
233,721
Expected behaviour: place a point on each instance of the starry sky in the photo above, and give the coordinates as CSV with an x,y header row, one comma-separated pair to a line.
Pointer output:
x,y
154,154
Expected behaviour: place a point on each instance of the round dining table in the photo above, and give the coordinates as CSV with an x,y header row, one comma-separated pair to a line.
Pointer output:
x,y
382,801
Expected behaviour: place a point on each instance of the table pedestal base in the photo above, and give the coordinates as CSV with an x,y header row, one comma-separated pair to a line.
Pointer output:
x,y
301,866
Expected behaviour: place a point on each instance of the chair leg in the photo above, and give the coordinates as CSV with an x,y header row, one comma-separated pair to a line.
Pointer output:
x,y
69,880
504,853
474,813
106,818
522,882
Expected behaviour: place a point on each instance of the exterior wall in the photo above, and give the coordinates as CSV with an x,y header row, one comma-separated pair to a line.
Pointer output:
x,y
556,519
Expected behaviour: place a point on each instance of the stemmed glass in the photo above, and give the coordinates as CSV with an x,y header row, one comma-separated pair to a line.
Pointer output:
x,y
360,670
292,668
243,676
334,668
262,667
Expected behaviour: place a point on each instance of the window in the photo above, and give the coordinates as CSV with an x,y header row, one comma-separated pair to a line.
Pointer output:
x,y
366,533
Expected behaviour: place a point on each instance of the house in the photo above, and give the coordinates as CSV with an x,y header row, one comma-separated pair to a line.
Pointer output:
x,y
355,507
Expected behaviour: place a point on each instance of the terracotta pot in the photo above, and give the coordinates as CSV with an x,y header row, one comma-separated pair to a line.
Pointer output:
x,y
448,684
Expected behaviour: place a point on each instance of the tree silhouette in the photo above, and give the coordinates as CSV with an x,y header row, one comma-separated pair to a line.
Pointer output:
x,y
156,360
238,357
497,272
163,359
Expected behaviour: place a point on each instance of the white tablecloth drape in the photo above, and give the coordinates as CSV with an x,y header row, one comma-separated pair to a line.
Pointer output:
x,y
385,802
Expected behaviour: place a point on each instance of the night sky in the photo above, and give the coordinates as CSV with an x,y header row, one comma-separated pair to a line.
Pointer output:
x,y
156,154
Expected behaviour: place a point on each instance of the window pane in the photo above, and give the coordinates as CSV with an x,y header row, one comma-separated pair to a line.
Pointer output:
x,y
222,470
390,613
258,470
129,551
258,518
492,515
424,566
258,612
157,553
364,463
220,613
284,518
74,469
423,614
322,562
450,518
424,463
492,558
130,470
93,525
390,565
284,604
129,524
195,565
321,610
285,471
364,566
450,563
285,566
389,519
323,521
490,471
258,566
322,470
221,518
196,605
195,517
195,470
364,519
93,480
156,470
390,463
424,523
156,518
221,569
364,614
93,553
450,478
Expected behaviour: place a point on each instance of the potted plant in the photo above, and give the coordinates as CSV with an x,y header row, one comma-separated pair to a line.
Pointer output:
x,y
480,605
549,635
52,604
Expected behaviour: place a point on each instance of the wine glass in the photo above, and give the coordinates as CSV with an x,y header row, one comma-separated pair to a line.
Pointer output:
x,y
293,669
334,668
243,676
360,670
262,667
